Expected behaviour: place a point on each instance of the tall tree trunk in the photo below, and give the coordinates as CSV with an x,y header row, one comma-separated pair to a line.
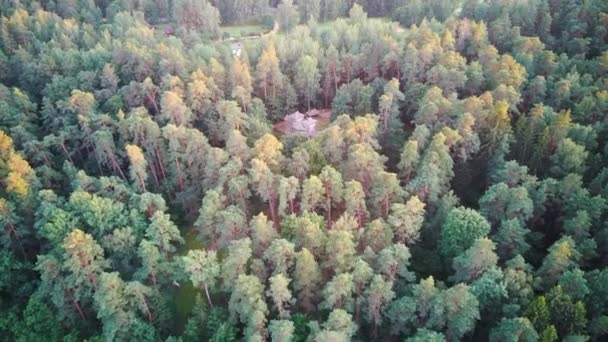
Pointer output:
x,y
386,206
12,231
67,154
148,311
357,309
265,90
180,181
154,176
273,214
208,296
116,166
142,183
96,159
76,305
308,100
153,100
160,162
243,204
333,70
328,204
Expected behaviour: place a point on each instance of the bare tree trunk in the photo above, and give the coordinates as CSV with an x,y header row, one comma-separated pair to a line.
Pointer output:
x,y
117,167
328,203
273,214
142,183
208,296
154,176
96,159
153,100
67,154
76,305
265,90
333,70
148,311
180,181
160,161
243,203
12,231
386,206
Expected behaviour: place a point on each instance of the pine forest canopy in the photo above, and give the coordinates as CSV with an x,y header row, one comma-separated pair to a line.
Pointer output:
x,y
453,188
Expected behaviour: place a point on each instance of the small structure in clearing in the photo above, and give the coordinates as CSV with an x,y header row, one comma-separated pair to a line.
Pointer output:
x,y
307,124
236,48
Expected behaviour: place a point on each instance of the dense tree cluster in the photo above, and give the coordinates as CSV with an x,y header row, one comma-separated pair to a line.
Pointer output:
x,y
458,191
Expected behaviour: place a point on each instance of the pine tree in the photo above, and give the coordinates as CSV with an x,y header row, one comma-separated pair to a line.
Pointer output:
x,y
262,233
562,256
501,203
362,274
354,199
518,329
138,166
240,82
281,296
378,235
511,239
280,255
312,194
112,307
460,230
407,219
476,260
409,159
378,295
281,330
268,73
174,110
393,262
287,15
248,306
340,251
164,233
461,311
391,126
203,269
235,263
337,293
333,188
307,78
307,279
385,190
208,217
267,186
83,260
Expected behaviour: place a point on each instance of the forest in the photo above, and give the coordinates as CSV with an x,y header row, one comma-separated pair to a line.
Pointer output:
x,y
304,170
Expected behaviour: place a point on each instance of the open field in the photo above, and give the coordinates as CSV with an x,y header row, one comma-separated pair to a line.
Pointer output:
x,y
238,31
330,24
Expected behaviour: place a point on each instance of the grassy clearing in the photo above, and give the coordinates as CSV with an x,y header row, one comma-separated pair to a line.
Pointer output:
x,y
185,297
238,31
328,25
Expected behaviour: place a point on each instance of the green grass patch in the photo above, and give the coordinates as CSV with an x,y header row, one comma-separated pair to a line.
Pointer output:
x,y
185,297
238,31
328,25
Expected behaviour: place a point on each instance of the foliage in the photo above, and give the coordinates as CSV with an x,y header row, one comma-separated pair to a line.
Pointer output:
x,y
447,181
